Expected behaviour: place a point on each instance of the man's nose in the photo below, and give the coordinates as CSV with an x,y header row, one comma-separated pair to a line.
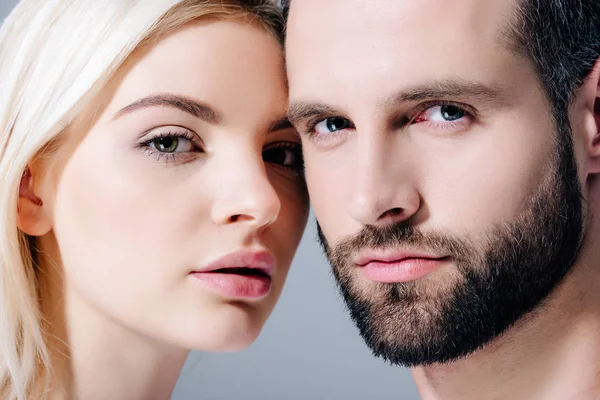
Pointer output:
x,y
383,191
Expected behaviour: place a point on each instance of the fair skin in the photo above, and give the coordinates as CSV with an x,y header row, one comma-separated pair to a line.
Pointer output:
x,y
392,158
122,226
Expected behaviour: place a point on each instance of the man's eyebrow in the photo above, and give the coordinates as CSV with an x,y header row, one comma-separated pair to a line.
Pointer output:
x,y
299,111
450,88
302,110
190,106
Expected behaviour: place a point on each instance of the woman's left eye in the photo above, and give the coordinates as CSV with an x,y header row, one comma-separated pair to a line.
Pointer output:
x,y
285,154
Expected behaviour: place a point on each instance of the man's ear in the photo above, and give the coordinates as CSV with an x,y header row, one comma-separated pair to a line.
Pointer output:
x,y
591,94
597,105
32,217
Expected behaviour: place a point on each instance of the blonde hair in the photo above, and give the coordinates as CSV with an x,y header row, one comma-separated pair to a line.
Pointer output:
x,y
55,58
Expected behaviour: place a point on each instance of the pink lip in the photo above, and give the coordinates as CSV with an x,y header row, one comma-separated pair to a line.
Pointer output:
x,y
239,286
262,260
392,267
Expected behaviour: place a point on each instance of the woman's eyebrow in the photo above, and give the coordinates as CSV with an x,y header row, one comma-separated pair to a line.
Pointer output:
x,y
194,107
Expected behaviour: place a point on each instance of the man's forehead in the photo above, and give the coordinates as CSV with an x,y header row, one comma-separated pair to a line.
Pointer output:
x,y
333,42
350,18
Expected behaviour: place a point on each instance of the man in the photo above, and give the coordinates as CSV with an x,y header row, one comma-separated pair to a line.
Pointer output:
x,y
452,153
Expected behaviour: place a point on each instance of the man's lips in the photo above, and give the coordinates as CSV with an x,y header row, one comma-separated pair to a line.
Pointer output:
x,y
394,267
391,257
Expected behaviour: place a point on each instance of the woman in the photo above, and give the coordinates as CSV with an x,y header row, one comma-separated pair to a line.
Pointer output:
x,y
152,195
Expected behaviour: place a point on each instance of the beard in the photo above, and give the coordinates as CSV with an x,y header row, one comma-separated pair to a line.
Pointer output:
x,y
494,281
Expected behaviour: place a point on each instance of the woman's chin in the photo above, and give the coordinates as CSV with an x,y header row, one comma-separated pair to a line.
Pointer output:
x,y
228,342
224,336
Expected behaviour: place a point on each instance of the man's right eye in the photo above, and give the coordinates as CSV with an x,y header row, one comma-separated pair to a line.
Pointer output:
x,y
332,125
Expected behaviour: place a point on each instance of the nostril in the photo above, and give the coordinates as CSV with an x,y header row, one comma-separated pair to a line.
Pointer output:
x,y
394,212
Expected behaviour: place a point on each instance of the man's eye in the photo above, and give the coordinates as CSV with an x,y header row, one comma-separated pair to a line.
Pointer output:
x,y
442,113
331,125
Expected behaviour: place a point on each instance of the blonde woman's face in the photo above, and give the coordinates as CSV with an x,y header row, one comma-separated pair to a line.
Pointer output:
x,y
187,158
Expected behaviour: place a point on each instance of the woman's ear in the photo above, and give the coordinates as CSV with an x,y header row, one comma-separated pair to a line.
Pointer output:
x,y
32,217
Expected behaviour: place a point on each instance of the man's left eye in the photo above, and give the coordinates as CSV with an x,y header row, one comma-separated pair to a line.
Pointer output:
x,y
442,113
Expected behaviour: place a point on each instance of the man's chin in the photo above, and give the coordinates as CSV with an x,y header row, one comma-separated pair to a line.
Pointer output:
x,y
418,344
424,322
417,328
422,354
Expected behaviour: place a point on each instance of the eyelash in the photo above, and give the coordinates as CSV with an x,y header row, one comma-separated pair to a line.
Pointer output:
x,y
312,124
170,157
146,146
470,112
297,148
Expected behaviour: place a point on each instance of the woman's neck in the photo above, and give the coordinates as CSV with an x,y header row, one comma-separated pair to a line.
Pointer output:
x,y
95,357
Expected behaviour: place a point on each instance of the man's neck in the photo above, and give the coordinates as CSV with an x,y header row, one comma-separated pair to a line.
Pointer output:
x,y
551,354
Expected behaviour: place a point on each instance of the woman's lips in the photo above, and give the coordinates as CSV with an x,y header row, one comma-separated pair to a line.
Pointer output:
x,y
234,285
239,275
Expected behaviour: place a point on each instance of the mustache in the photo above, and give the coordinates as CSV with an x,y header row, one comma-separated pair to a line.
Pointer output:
x,y
399,234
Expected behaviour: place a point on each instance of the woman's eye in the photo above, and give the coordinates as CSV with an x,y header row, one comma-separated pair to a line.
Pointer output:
x,y
442,113
288,155
171,144
331,125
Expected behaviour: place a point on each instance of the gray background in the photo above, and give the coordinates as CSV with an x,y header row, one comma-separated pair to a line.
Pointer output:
x,y
309,348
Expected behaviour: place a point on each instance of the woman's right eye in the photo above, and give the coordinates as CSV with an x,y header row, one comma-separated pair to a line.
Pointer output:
x,y
331,125
172,146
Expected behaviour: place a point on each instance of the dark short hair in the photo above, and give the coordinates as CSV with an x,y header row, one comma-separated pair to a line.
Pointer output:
x,y
561,38
285,6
